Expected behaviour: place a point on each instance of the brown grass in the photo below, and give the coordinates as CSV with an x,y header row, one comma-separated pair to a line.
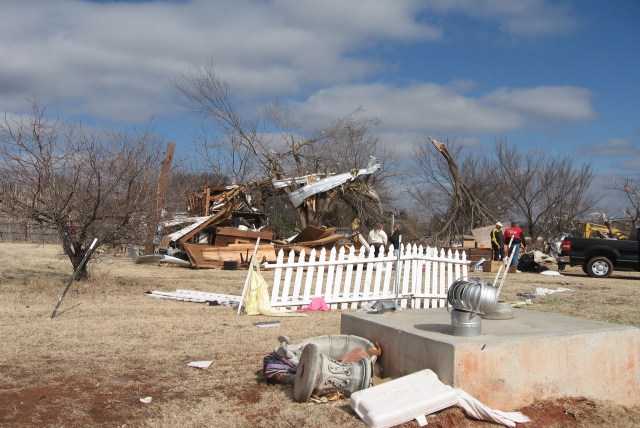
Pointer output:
x,y
111,345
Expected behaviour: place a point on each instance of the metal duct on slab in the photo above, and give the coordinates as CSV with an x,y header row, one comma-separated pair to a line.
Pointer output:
x,y
469,299
472,296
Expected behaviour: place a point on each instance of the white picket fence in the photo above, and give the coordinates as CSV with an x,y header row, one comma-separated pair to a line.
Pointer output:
x,y
347,279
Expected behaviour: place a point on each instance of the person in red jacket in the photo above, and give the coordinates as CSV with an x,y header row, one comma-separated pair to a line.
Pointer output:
x,y
514,237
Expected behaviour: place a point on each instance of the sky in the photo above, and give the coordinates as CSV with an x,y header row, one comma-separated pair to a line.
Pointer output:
x,y
559,76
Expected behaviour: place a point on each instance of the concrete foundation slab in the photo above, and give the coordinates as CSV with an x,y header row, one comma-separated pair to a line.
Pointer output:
x,y
512,362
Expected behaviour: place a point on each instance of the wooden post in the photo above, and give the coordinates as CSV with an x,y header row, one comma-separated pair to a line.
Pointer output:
x,y
154,219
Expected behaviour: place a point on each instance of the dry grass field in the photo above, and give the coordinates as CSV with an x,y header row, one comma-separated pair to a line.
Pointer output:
x,y
111,345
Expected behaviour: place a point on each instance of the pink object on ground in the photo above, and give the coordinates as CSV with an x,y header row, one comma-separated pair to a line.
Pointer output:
x,y
317,304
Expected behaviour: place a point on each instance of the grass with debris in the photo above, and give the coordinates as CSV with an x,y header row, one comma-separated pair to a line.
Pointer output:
x,y
111,345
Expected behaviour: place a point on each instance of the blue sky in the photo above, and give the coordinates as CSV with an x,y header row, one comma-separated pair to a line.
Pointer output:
x,y
559,76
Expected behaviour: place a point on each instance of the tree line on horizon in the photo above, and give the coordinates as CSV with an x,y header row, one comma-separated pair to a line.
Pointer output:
x,y
103,184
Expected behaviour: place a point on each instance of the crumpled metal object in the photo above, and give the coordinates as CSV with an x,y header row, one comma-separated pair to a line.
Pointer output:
x,y
298,197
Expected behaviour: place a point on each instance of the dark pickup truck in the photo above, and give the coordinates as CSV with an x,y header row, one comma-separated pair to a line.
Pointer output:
x,y
599,257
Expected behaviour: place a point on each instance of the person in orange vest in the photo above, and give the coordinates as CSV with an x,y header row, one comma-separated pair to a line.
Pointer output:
x,y
515,236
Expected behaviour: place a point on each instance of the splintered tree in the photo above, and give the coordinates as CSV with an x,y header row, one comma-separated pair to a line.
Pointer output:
x,y
85,185
458,192
288,156
462,192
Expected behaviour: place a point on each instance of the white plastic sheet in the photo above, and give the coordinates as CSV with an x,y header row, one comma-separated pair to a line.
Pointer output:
x,y
474,408
418,395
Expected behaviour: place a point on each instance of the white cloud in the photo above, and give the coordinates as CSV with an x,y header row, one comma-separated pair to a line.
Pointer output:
x,y
424,109
518,18
615,147
361,18
631,165
117,59
561,103
438,108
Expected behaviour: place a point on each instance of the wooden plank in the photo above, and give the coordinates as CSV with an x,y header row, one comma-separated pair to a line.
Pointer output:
x,y
210,253
347,286
275,290
222,214
328,291
442,287
247,246
327,232
299,274
320,277
309,233
358,281
339,287
210,256
287,275
231,231
309,280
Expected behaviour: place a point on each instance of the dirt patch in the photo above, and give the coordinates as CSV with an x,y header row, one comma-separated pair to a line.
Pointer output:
x,y
70,399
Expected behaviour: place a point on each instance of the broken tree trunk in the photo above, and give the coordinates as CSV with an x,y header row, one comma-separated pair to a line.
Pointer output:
x,y
462,194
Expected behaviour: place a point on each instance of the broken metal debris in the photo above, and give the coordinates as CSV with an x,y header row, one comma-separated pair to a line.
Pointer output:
x,y
156,259
297,197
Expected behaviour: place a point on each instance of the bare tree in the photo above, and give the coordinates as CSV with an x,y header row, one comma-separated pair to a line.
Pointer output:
x,y
82,184
289,151
549,192
463,190
630,188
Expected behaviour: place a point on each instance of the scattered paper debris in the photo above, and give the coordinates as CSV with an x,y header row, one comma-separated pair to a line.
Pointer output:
x,y
200,364
521,303
540,291
146,400
551,273
267,324
197,296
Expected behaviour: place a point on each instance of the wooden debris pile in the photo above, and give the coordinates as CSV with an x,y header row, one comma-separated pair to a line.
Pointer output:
x,y
222,228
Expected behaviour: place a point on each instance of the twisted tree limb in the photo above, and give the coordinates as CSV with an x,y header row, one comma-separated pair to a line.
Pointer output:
x,y
462,193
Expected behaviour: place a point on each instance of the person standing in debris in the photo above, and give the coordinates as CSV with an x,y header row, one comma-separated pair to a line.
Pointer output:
x,y
514,237
394,239
377,239
497,242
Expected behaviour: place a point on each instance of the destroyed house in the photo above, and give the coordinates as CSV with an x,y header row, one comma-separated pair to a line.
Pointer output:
x,y
220,226
221,229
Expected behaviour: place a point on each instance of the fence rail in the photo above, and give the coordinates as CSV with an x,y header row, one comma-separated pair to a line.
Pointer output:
x,y
14,229
348,278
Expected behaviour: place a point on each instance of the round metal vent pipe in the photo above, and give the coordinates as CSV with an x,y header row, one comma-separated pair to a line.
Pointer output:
x,y
468,299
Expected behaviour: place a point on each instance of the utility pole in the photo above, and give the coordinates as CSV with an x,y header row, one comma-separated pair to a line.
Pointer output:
x,y
154,219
